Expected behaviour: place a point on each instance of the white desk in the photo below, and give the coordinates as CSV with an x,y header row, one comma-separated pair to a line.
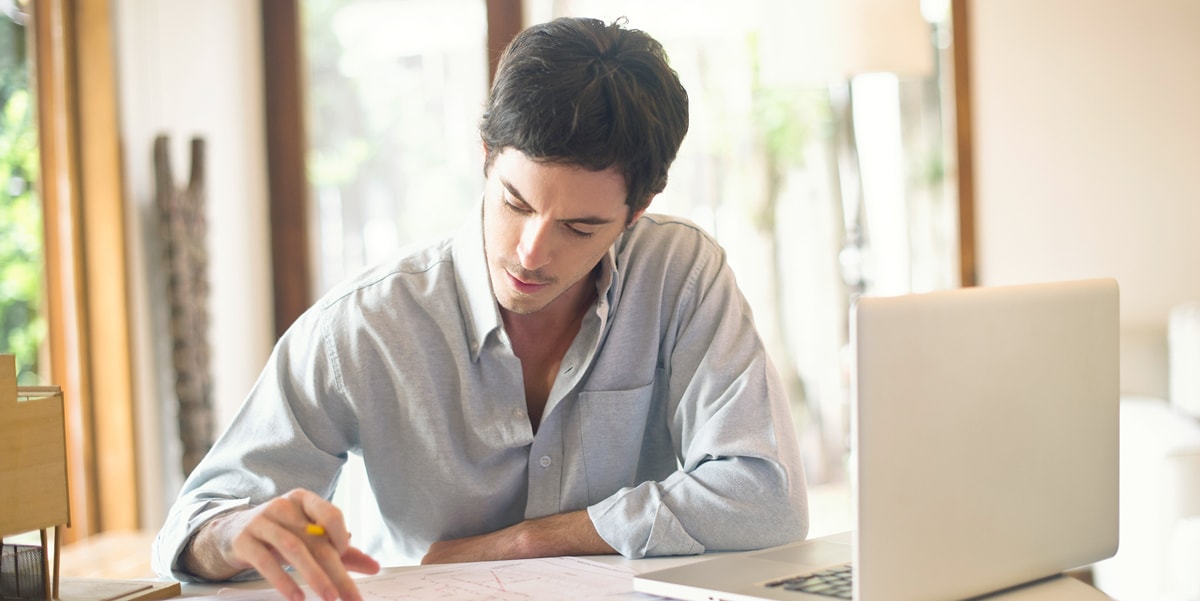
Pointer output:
x,y
1059,589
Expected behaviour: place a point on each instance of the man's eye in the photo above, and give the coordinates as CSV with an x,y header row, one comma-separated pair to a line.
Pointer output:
x,y
516,208
579,232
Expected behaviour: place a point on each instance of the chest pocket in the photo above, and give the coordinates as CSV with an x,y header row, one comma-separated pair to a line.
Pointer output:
x,y
624,439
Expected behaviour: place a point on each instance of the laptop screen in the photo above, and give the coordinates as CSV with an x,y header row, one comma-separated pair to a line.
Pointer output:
x,y
985,437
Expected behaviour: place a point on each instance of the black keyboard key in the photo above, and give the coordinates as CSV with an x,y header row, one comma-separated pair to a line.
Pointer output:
x,y
833,582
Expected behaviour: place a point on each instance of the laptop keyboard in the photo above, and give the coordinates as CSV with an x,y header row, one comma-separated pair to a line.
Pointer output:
x,y
833,582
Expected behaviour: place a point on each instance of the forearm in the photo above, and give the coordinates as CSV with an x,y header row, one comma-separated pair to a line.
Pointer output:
x,y
563,534
551,536
204,556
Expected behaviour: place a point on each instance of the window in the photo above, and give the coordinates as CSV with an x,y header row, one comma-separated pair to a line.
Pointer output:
x,y
22,327
395,92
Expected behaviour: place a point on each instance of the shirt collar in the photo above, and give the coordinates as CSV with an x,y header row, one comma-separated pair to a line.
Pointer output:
x,y
608,284
480,311
475,296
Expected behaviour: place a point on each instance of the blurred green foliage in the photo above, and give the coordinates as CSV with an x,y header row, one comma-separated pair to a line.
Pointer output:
x,y
22,328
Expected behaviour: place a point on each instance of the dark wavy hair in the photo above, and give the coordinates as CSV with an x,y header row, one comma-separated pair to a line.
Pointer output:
x,y
577,91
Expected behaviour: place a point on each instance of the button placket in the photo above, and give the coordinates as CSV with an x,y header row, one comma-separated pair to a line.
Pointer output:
x,y
545,474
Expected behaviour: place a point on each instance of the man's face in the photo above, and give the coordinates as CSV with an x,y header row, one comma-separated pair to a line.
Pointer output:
x,y
545,226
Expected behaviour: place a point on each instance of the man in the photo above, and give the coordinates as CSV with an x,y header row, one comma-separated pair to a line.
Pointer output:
x,y
566,376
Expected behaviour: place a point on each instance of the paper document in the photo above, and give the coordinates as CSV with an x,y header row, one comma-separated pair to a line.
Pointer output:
x,y
527,579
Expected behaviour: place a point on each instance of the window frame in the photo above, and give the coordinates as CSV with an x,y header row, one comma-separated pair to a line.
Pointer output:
x,y
86,277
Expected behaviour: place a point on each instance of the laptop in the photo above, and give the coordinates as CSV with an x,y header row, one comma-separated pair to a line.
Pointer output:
x,y
983,457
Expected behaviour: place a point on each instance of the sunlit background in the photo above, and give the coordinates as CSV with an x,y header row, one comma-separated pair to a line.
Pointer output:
x,y
820,155
817,154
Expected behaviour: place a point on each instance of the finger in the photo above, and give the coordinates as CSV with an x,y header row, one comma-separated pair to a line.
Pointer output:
x,y
357,561
299,551
265,560
274,573
336,570
288,511
311,517
319,511
318,525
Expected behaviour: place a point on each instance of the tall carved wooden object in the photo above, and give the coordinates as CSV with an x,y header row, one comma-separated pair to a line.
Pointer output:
x,y
183,227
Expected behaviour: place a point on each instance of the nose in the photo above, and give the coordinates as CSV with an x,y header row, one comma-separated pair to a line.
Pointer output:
x,y
533,249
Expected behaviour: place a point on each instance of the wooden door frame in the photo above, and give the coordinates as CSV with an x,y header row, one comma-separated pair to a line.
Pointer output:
x,y
86,277
964,142
287,146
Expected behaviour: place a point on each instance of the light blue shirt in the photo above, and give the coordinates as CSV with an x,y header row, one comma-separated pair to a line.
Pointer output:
x,y
667,421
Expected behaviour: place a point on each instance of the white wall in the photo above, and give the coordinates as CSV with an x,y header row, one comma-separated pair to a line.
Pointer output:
x,y
194,69
1087,129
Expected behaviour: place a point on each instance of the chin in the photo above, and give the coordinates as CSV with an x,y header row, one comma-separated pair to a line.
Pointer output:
x,y
522,306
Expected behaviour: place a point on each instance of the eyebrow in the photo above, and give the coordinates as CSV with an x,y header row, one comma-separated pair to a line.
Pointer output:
x,y
588,220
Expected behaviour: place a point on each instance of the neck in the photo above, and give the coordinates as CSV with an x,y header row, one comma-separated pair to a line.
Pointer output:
x,y
561,316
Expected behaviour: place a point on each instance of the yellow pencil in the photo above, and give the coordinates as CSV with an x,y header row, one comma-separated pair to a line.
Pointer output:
x,y
315,530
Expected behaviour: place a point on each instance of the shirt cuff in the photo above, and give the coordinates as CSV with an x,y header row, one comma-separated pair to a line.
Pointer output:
x,y
637,523
178,531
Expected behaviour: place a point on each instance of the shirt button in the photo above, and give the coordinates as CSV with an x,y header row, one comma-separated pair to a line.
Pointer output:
x,y
545,461
518,413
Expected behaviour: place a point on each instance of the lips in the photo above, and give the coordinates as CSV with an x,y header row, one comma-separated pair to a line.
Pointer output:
x,y
524,287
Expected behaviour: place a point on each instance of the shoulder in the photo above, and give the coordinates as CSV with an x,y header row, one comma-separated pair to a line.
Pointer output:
x,y
657,232
670,227
412,273
669,242
671,257
374,319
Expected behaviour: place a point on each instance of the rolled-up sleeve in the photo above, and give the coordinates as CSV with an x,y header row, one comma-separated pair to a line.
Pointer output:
x,y
739,482
288,434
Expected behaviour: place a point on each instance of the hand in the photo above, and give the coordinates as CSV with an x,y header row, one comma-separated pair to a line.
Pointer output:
x,y
563,534
273,535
